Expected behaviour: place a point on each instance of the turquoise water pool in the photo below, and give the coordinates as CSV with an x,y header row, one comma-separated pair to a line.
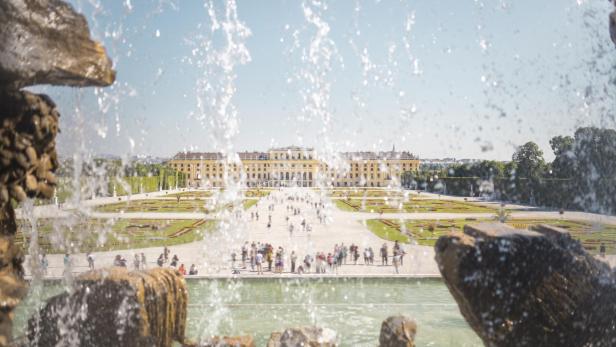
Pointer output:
x,y
354,308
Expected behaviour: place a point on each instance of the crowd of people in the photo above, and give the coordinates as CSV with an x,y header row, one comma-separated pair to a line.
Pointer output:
x,y
261,257
299,212
139,262
163,259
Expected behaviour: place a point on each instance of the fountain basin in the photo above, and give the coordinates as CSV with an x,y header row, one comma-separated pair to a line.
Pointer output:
x,y
353,307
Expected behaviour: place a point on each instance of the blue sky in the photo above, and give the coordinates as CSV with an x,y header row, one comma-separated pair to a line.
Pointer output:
x,y
490,76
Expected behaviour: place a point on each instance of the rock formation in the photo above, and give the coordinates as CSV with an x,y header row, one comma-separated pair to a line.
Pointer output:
x,y
529,288
308,336
115,307
47,42
41,42
397,331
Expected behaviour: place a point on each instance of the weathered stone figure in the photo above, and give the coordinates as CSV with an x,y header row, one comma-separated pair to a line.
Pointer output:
x,y
529,288
397,331
115,307
41,42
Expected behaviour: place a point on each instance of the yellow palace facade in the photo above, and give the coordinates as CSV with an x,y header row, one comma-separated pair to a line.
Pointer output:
x,y
296,166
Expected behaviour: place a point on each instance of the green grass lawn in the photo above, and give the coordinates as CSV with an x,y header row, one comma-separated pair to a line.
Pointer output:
x,y
248,203
162,205
257,193
414,205
426,232
61,235
201,194
385,231
155,205
360,192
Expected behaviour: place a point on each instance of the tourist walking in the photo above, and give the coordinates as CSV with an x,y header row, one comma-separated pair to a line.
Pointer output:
x,y
137,262
317,263
259,262
90,260
293,260
44,263
161,260
166,252
269,257
307,263
384,254
396,261
119,261
244,254
253,254
174,261
143,261
330,261
279,265
67,264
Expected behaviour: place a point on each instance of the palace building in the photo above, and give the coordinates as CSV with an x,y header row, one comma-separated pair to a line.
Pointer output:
x,y
296,166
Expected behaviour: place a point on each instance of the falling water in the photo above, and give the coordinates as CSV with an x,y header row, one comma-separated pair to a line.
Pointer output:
x,y
217,53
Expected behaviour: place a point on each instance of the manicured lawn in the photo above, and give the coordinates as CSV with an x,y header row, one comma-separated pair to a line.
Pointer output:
x,y
248,203
154,205
385,231
201,194
61,235
426,232
590,235
370,193
257,193
413,205
162,205
197,194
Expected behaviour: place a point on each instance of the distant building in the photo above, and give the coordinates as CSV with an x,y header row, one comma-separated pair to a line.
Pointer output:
x,y
437,164
298,166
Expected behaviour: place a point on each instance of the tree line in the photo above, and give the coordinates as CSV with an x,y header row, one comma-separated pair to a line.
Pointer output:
x,y
106,176
582,175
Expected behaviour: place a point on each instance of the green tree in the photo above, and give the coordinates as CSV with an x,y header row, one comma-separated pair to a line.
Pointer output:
x,y
529,161
530,168
563,165
595,174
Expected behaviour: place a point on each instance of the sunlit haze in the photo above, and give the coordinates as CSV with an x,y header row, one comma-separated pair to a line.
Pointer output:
x,y
463,79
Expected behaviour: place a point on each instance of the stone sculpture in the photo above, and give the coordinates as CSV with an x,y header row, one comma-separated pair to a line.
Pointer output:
x,y
529,288
115,307
397,331
309,336
41,42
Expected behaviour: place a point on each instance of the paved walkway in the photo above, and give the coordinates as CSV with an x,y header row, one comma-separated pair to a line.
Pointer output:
x,y
213,254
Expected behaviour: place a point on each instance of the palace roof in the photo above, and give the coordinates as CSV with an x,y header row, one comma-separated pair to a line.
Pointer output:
x,y
255,155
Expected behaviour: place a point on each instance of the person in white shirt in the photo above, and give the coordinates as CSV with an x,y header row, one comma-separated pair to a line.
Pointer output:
x,y
259,261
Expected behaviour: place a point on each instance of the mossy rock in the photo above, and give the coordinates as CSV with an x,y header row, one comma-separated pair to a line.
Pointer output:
x,y
115,307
